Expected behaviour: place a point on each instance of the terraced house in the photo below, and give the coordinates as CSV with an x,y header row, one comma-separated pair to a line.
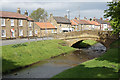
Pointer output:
x,y
15,25
62,24
83,24
45,29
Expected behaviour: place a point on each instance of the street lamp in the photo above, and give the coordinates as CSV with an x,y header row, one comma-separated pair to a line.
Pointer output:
x,y
68,16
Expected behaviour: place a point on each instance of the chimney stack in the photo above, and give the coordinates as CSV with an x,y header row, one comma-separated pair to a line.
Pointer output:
x,y
18,10
101,18
75,18
107,19
65,16
51,15
26,13
90,19
85,18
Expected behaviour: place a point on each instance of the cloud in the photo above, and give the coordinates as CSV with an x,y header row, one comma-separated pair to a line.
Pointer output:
x,y
88,9
33,5
88,13
55,0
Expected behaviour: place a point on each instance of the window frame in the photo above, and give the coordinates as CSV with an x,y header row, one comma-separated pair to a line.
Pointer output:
x,y
36,32
20,32
4,33
30,33
30,24
2,19
12,24
20,22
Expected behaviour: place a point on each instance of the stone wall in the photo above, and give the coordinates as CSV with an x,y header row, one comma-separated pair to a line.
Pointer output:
x,y
104,37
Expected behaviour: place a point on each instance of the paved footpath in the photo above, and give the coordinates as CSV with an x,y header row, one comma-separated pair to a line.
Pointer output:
x,y
17,41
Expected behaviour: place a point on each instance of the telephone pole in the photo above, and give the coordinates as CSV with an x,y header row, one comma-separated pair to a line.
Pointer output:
x,y
69,17
79,13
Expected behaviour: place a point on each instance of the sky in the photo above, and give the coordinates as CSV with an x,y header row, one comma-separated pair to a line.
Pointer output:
x,y
86,8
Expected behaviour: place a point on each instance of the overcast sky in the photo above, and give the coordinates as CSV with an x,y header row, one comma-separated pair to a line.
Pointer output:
x,y
87,8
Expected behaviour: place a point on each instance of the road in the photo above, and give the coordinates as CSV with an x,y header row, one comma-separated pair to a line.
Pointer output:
x,y
18,41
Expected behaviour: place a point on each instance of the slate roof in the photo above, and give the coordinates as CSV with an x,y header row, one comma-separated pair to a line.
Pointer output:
x,y
101,21
62,20
6,14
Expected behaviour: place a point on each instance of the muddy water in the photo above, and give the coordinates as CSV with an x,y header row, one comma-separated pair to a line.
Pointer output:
x,y
51,67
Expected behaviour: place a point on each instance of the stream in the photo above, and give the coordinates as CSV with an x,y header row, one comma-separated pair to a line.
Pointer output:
x,y
50,67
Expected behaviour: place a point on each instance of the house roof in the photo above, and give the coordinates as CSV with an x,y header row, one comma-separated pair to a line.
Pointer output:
x,y
44,25
84,22
6,14
62,20
107,22
73,23
94,23
101,21
76,21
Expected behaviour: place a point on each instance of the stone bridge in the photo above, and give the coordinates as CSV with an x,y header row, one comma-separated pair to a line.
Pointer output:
x,y
104,37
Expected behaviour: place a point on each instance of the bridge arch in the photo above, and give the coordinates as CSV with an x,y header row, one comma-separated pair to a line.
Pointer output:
x,y
71,42
104,37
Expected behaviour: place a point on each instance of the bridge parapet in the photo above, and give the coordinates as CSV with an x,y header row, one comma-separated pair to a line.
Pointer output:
x,y
105,37
101,34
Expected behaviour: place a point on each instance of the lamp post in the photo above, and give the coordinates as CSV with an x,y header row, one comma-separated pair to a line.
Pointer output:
x,y
46,25
68,16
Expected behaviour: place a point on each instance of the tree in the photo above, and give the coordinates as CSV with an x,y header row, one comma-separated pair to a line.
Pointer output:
x,y
114,13
39,14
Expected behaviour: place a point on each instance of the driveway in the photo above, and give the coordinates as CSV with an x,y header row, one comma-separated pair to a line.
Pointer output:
x,y
18,41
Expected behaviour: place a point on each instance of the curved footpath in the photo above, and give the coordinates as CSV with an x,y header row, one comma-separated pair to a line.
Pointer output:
x,y
105,66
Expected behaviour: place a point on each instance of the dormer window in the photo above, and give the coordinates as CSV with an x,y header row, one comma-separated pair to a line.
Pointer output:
x,y
12,22
2,22
20,23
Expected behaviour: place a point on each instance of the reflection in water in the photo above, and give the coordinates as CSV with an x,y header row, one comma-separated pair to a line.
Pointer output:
x,y
51,67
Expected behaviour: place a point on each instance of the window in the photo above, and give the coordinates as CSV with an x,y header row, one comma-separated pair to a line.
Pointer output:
x,y
30,33
52,30
12,22
20,22
20,32
3,32
36,31
30,24
12,33
60,25
2,22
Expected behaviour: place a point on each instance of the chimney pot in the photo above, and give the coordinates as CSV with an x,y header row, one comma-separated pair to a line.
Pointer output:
x,y
26,13
18,10
85,18
107,19
101,18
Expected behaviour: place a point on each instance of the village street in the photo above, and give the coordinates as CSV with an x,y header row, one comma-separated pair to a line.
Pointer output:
x,y
18,41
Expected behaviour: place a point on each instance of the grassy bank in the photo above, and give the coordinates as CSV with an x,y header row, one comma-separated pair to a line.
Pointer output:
x,y
87,43
106,66
19,55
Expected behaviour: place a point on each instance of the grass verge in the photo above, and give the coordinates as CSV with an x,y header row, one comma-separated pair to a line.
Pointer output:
x,y
106,66
20,55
